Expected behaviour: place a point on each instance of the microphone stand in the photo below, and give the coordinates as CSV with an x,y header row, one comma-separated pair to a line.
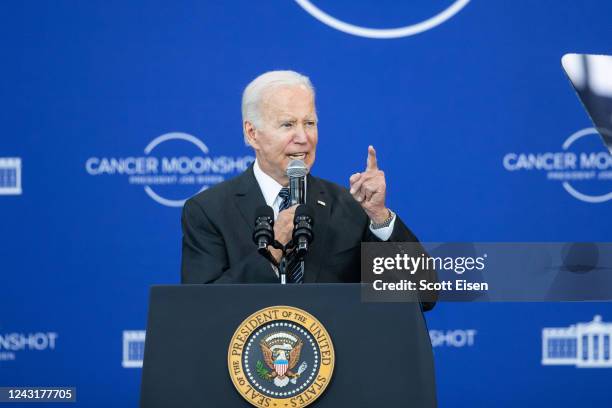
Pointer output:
x,y
288,251
284,261
282,270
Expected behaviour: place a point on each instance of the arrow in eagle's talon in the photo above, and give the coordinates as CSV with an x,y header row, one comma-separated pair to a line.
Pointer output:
x,y
301,369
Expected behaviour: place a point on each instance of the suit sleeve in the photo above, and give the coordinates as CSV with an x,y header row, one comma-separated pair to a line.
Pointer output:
x,y
205,258
401,233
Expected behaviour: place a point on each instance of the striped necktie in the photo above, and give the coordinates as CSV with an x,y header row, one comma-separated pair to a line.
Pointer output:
x,y
295,269
286,202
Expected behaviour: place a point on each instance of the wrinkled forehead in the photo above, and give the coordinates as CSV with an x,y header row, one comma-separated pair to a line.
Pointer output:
x,y
288,100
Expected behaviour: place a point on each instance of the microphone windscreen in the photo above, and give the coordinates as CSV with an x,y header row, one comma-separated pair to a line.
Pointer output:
x,y
264,211
297,168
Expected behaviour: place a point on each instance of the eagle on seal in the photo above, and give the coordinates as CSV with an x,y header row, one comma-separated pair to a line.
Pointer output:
x,y
278,361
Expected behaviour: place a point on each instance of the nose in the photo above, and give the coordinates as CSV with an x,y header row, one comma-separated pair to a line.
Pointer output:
x,y
300,135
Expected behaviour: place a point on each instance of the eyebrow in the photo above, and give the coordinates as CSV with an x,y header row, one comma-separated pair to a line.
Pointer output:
x,y
293,120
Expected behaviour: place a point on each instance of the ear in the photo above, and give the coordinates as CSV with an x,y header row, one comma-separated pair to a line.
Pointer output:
x,y
250,132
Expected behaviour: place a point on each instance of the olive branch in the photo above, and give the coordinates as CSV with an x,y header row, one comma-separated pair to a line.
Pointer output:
x,y
262,371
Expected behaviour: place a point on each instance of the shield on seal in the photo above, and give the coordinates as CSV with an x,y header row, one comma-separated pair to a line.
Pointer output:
x,y
281,367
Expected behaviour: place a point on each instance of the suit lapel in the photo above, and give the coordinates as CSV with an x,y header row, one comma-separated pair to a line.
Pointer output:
x,y
315,196
248,197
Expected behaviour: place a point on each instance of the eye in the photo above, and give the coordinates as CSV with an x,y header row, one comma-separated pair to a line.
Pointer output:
x,y
286,125
311,123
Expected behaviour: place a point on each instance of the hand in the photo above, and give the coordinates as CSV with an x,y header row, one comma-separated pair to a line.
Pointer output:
x,y
283,230
369,189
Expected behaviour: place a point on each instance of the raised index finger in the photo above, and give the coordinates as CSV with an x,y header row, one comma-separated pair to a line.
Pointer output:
x,y
372,162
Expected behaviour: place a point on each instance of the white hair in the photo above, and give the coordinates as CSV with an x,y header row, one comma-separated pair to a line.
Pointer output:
x,y
254,91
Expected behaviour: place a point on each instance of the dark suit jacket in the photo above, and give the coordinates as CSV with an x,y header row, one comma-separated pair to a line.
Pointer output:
x,y
218,225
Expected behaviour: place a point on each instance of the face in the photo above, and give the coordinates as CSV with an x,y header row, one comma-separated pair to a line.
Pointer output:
x,y
288,131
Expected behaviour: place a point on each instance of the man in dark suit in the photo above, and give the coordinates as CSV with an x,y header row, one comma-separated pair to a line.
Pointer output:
x,y
280,123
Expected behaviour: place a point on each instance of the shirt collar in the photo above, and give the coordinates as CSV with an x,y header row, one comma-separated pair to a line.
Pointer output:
x,y
269,187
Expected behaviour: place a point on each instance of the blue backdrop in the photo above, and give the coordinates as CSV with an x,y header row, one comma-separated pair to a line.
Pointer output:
x,y
87,225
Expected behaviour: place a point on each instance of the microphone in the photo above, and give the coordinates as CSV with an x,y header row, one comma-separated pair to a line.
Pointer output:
x,y
264,228
296,171
302,231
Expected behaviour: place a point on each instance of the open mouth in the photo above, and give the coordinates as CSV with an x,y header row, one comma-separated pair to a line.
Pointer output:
x,y
297,156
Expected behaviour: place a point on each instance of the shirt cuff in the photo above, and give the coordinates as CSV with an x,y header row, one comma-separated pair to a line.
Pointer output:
x,y
384,233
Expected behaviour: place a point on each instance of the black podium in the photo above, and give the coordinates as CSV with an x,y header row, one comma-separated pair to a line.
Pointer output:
x,y
383,355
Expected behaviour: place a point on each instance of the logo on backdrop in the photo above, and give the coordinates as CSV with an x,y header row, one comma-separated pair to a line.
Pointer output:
x,y
175,166
584,345
281,356
133,348
10,176
382,33
452,338
13,343
583,166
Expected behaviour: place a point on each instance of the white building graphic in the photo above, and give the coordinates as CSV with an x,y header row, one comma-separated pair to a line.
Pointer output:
x,y
585,345
10,176
133,348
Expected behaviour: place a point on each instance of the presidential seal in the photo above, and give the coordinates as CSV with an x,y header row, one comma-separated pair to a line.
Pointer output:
x,y
281,356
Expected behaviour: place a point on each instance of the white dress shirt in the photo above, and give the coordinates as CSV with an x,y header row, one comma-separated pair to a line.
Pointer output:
x,y
270,189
